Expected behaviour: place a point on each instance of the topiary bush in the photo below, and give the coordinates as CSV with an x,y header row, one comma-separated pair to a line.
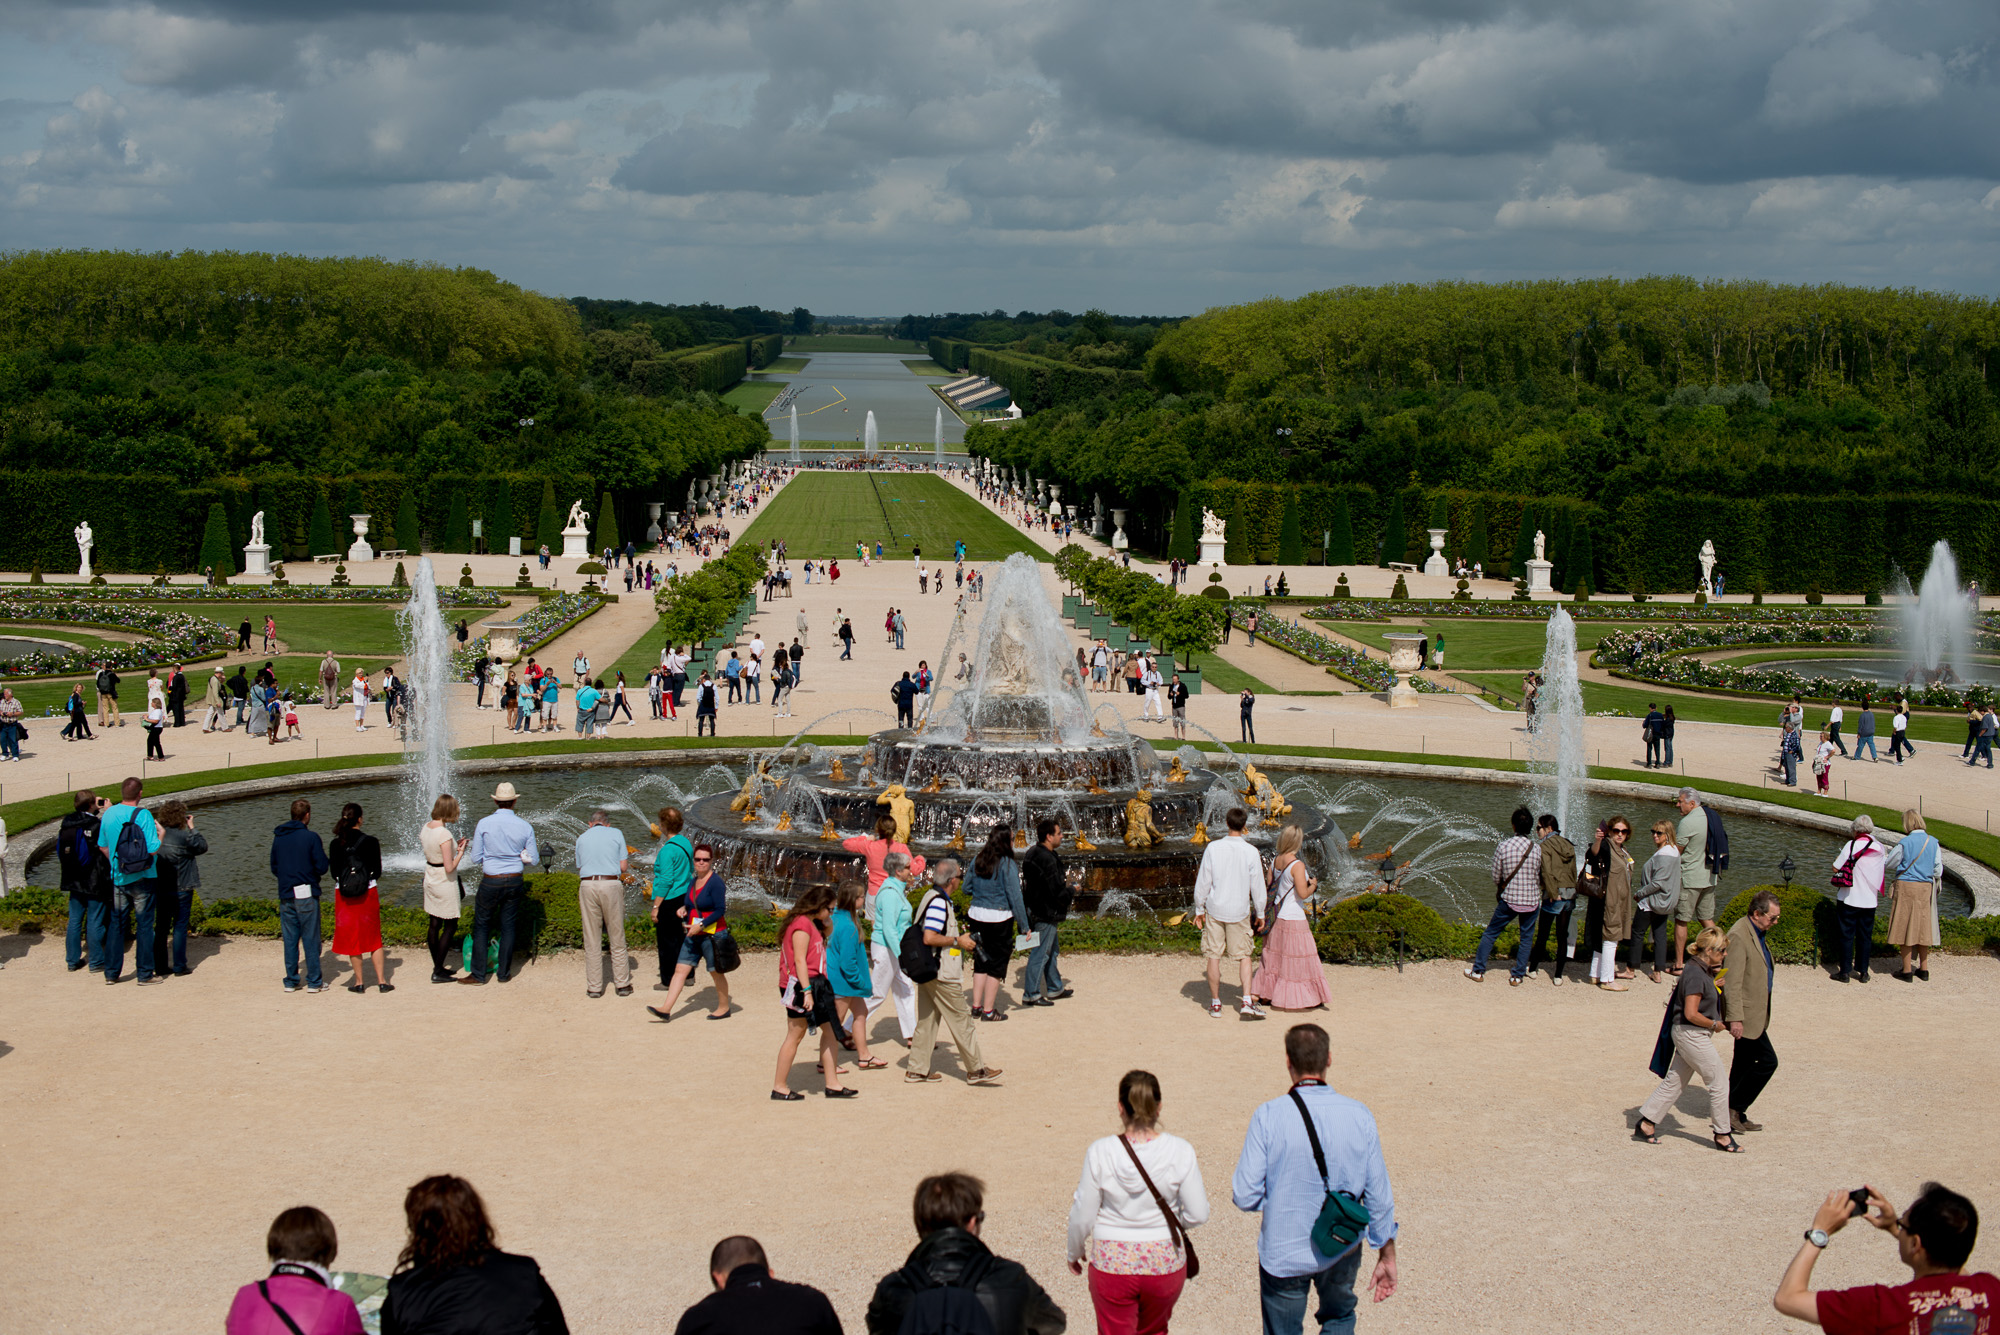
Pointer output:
x,y
1638,589
401,579
1872,598
1340,589
1582,594
339,580
521,581
1402,589
1521,594
35,575
1464,594
465,575
1366,928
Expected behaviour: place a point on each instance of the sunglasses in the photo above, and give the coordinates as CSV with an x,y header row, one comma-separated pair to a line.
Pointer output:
x,y
1621,829
700,857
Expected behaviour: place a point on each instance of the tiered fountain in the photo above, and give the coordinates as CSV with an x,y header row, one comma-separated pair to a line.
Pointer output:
x,y
1018,743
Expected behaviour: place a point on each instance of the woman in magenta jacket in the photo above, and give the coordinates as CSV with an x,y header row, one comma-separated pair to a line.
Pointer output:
x,y
302,1245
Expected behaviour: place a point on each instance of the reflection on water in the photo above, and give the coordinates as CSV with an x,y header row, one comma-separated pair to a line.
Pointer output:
x,y
1889,671
1435,838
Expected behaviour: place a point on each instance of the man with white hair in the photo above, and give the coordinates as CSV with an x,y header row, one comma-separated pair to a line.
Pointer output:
x,y
1697,902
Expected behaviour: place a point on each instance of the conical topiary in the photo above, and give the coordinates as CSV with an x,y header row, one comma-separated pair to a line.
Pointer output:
x,y
500,523
1393,542
320,540
1291,533
409,535
1524,541
35,575
458,524
1475,543
401,579
548,528
1402,589
1582,562
215,543
1340,534
1185,542
607,524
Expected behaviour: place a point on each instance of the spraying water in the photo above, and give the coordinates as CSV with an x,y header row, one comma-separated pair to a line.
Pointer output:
x,y
795,433
1556,763
427,766
937,446
868,435
1937,621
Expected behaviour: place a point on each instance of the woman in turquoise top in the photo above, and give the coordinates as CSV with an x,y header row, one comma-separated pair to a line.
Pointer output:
x,y
673,873
892,920
847,973
1913,924
551,684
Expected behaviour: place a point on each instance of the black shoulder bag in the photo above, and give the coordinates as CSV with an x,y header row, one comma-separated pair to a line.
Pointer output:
x,y
264,1287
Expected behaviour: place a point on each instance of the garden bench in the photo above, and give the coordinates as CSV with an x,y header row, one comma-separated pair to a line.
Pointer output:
x,y
328,559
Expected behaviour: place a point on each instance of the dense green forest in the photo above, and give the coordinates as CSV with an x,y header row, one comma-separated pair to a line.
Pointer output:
x,y
234,374
1648,403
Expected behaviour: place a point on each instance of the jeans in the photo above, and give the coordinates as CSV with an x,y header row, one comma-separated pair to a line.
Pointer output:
x,y
1559,914
10,740
1043,978
1652,752
754,692
524,716
178,905
899,638
1751,1067
1857,938
137,900
105,934
1791,766
846,647
701,719
1833,735
1249,728
79,941
498,896
298,920
1504,913
1667,750
1284,1300
1661,925
1983,749
1866,739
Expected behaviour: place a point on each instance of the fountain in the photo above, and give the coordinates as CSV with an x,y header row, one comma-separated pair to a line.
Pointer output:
x,y
1018,742
1556,764
427,644
868,435
1937,623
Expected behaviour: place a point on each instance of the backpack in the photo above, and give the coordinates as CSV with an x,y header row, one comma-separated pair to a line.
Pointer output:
x,y
1843,875
130,852
946,1309
918,961
1715,854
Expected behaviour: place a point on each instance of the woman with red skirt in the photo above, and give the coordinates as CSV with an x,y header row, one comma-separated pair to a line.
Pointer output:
x,y
356,863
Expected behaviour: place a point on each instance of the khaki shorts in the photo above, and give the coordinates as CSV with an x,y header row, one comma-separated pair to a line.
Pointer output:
x,y
1225,940
1697,904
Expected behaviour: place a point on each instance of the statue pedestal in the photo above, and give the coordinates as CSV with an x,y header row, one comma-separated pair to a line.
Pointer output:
x,y
1119,542
361,551
653,531
1538,576
1211,552
257,559
576,544
1435,564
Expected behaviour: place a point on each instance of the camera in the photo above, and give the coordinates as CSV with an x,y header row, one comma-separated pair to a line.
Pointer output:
x,y
1860,1198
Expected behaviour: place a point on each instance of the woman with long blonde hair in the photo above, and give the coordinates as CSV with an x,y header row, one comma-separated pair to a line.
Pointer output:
x,y
1291,977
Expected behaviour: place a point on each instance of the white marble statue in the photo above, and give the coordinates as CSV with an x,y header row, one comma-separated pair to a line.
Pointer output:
x,y
257,529
1541,542
578,516
84,538
1707,559
1211,524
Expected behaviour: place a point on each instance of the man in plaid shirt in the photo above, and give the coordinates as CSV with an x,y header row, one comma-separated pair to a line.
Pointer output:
x,y
1517,883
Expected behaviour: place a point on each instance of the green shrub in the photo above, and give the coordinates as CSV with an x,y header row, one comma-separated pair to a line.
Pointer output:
x,y
215,548
1402,589
1813,596
1367,928
1340,589
1638,589
465,576
1217,592
1464,594
400,579
320,541
1873,598
1521,594
1582,594
35,575
521,581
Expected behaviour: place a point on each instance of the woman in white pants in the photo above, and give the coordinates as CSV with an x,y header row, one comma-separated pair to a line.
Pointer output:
x,y
891,915
1151,679
1610,866
360,701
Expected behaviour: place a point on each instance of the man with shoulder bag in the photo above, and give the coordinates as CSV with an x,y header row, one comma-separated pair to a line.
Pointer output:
x,y
1312,1164
1517,895
932,955
1558,873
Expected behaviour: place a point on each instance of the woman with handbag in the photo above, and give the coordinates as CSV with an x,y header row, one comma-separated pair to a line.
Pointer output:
x,y
356,863
847,970
707,936
1913,919
1140,1193
807,995
1659,889
442,892
1608,869
1290,976
1857,885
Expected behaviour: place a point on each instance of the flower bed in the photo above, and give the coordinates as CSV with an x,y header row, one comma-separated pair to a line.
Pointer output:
x,y
1663,657
540,624
1343,660
176,637
1380,609
449,595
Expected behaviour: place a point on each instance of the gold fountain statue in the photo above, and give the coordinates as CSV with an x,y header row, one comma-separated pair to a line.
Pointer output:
x,y
901,808
1140,832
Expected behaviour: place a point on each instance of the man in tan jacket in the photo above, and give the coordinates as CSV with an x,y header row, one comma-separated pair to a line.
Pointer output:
x,y
1748,977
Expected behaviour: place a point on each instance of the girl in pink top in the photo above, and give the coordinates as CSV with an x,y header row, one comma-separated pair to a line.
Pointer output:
x,y
301,1245
874,850
807,996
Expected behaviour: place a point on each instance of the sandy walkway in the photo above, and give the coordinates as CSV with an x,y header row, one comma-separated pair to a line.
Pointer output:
x,y
152,1134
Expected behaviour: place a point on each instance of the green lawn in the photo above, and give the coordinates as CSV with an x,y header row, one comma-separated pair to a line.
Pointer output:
x,y
924,366
786,365
1477,644
852,343
753,396
1225,678
1632,700
823,515
312,628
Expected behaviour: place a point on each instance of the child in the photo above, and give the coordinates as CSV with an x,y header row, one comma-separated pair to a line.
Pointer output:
x,y
292,719
847,972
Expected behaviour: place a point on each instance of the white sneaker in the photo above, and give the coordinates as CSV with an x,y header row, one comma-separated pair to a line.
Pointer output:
x,y
1215,1009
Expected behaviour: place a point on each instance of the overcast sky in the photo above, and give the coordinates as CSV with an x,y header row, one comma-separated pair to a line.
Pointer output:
x,y
1150,156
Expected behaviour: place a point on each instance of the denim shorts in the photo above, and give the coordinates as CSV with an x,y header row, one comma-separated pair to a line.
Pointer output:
x,y
698,949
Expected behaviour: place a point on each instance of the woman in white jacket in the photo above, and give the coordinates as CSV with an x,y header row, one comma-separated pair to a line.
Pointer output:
x,y
1139,1194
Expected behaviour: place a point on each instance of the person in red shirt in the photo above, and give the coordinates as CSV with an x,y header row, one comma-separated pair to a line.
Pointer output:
x,y
1933,1238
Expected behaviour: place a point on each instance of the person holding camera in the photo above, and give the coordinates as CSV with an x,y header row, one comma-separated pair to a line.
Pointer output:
x,y
1933,1238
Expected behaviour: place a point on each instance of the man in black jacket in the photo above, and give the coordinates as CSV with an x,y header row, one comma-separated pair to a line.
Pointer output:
x,y
239,689
86,878
1045,890
748,1301
298,860
177,695
107,698
950,1261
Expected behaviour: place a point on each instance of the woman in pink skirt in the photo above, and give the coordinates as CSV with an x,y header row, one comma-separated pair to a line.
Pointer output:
x,y
1290,977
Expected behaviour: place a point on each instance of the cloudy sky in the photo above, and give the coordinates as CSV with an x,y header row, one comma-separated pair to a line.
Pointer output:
x,y
1149,156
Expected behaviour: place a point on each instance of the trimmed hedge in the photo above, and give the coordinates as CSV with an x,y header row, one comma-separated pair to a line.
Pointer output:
x,y
1037,383
950,353
712,367
760,350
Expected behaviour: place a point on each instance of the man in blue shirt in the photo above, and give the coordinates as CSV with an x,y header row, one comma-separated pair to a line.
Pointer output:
x,y
131,890
298,860
1279,1174
502,845
600,893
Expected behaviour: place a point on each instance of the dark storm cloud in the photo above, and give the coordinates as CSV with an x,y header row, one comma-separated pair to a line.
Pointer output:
x,y
901,154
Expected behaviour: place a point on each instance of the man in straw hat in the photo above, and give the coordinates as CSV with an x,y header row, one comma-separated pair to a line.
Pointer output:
x,y
501,844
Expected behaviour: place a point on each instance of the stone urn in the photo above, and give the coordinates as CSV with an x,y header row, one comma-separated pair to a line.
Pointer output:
x,y
1405,657
1435,564
360,551
1119,542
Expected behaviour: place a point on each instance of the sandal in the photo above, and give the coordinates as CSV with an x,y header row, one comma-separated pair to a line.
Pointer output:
x,y
1731,1148
872,1064
1646,1137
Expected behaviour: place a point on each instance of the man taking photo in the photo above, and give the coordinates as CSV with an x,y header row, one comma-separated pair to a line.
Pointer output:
x,y
1933,1238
